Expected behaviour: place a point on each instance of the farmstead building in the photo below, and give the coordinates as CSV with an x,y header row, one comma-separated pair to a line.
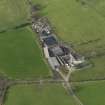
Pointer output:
x,y
57,54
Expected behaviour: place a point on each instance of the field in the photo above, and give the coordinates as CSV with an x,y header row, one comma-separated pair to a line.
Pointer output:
x,y
92,93
74,22
83,25
38,95
20,56
13,13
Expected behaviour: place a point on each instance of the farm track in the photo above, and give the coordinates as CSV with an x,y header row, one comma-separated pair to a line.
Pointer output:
x,y
52,81
90,81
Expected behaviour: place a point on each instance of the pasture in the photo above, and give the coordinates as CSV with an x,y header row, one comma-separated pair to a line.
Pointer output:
x,y
13,13
46,94
20,55
73,21
91,93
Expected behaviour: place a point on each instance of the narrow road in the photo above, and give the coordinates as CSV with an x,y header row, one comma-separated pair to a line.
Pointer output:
x,y
67,85
86,82
37,81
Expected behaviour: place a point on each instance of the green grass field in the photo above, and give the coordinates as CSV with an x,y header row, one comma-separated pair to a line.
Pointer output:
x,y
13,13
38,95
20,56
92,93
73,21
97,5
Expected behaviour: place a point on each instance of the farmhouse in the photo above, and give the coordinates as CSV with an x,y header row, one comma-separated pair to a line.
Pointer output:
x,y
57,54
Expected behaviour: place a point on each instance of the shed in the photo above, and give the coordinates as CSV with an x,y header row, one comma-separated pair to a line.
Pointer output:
x,y
46,53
